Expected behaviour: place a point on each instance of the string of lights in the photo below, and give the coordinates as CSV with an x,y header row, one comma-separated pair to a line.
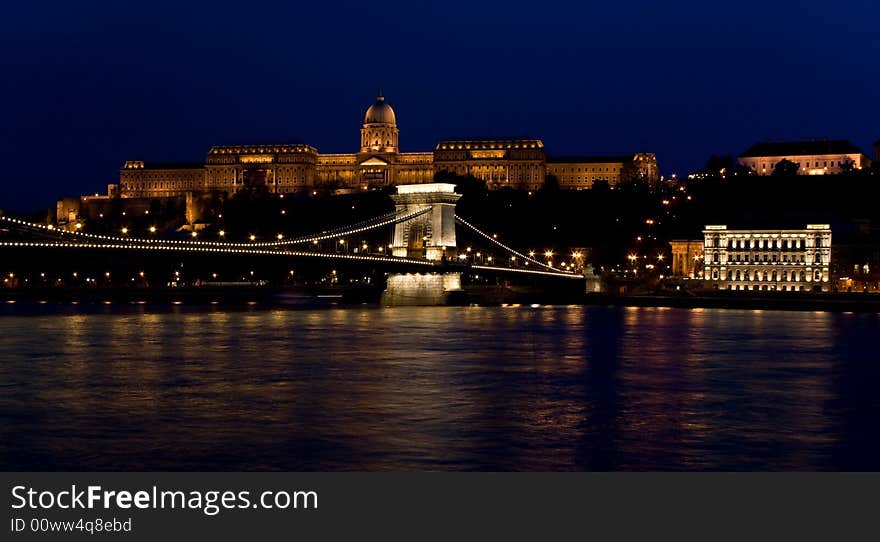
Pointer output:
x,y
72,239
364,226
503,246
221,250
561,274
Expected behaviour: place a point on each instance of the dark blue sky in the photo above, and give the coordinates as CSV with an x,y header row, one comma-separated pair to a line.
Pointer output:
x,y
87,85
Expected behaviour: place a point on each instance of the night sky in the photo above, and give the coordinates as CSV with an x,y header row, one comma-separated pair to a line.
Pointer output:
x,y
87,85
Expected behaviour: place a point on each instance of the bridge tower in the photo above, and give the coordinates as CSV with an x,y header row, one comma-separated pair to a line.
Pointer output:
x,y
432,235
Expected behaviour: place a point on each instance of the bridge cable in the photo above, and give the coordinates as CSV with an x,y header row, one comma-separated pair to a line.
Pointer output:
x,y
505,247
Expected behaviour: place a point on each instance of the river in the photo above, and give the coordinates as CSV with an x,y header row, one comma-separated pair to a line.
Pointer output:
x,y
437,388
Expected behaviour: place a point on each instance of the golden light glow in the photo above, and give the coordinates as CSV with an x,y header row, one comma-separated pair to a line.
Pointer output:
x,y
487,154
255,159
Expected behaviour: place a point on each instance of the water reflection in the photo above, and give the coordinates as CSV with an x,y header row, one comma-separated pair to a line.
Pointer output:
x,y
571,388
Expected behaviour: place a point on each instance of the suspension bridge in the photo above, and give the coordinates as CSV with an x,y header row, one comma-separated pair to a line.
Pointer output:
x,y
423,254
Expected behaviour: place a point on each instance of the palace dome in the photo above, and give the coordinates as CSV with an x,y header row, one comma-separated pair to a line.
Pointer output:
x,y
380,112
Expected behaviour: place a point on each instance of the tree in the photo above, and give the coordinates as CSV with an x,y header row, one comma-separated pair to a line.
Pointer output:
x,y
742,170
719,166
465,184
785,168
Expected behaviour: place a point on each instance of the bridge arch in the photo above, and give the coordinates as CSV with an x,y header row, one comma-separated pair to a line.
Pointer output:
x,y
430,235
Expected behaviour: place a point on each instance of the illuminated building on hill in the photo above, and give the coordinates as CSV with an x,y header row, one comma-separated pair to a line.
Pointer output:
x,y
519,163
810,157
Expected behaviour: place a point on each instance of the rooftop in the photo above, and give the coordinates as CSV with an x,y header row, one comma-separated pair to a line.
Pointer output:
x,y
490,143
801,148
262,149
140,164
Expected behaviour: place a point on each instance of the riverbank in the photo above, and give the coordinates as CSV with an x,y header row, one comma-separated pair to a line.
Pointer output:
x,y
789,301
317,297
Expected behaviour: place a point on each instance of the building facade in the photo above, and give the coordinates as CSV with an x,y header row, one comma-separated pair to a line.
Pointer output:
x,y
687,256
810,157
581,172
519,163
768,260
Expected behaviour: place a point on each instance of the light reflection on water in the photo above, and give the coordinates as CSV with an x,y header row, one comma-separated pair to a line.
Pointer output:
x,y
569,388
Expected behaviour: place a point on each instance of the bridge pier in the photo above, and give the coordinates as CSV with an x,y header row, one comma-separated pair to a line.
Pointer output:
x,y
430,236
421,289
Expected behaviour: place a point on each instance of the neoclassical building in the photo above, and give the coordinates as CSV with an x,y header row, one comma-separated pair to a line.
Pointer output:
x,y
686,257
770,260
519,163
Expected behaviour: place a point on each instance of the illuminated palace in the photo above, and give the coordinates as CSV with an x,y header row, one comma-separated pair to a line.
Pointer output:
x,y
519,163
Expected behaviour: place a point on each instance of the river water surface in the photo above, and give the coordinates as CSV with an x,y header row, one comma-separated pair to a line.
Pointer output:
x,y
438,388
